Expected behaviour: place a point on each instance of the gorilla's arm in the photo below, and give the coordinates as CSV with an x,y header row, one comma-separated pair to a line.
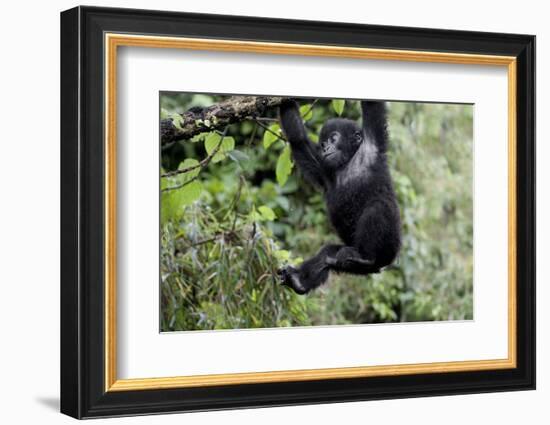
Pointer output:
x,y
304,150
374,123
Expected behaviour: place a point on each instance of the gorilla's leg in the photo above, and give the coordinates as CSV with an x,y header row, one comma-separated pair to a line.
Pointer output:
x,y
312,273
377,235
349,260
362,258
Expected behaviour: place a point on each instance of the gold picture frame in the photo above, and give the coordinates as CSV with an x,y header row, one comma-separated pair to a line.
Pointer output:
x,y
114,41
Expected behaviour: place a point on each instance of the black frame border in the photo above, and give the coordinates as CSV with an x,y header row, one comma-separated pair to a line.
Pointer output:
x,y
82,211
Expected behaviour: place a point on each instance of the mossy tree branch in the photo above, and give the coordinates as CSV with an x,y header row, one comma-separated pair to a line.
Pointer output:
x,y
215,117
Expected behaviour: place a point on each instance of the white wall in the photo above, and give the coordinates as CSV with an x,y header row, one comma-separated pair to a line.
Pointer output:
x,y
29,229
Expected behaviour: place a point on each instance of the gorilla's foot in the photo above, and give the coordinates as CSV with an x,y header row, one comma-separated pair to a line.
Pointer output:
x,y
290,277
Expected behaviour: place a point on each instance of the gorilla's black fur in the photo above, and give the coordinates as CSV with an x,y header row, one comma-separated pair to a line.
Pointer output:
x,y
349,164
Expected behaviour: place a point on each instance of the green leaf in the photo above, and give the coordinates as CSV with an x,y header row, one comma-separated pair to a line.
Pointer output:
x,y
215,251
197,138
212,141
282,255
306,111
238,156
271,137
164,114
267,213
228,144
177,120
338,105
179,179
283,202
174,201
189,193
263,213
188,163
254,215
219,156
168,209
284,166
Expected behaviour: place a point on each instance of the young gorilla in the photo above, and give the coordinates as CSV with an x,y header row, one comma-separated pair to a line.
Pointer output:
x,y
349,164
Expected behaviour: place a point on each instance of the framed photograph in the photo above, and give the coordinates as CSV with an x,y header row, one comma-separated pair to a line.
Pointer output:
x,y
261,212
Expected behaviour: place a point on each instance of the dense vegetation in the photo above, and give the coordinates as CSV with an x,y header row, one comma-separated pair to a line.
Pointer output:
x,y
237,211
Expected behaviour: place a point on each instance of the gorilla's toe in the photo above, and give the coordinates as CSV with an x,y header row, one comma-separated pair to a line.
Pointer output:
x,y
289,276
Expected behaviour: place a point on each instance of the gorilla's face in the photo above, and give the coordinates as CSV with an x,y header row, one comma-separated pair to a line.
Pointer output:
x,y
338,142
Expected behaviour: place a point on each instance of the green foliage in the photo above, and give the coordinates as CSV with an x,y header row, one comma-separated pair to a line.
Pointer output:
x,y
223,145
284,166
177,119
338,105
271,135
220,273
188,190
437,207
306,111
267,213
246,213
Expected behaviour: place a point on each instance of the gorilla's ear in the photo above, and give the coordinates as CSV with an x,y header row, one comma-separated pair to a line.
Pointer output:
x,y
358,137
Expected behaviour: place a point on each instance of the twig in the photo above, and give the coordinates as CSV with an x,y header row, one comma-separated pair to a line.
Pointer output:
x,y
235,200
310,108
252,135
265,119
258,120
212,239
201,164
204,163
269,130
179,186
